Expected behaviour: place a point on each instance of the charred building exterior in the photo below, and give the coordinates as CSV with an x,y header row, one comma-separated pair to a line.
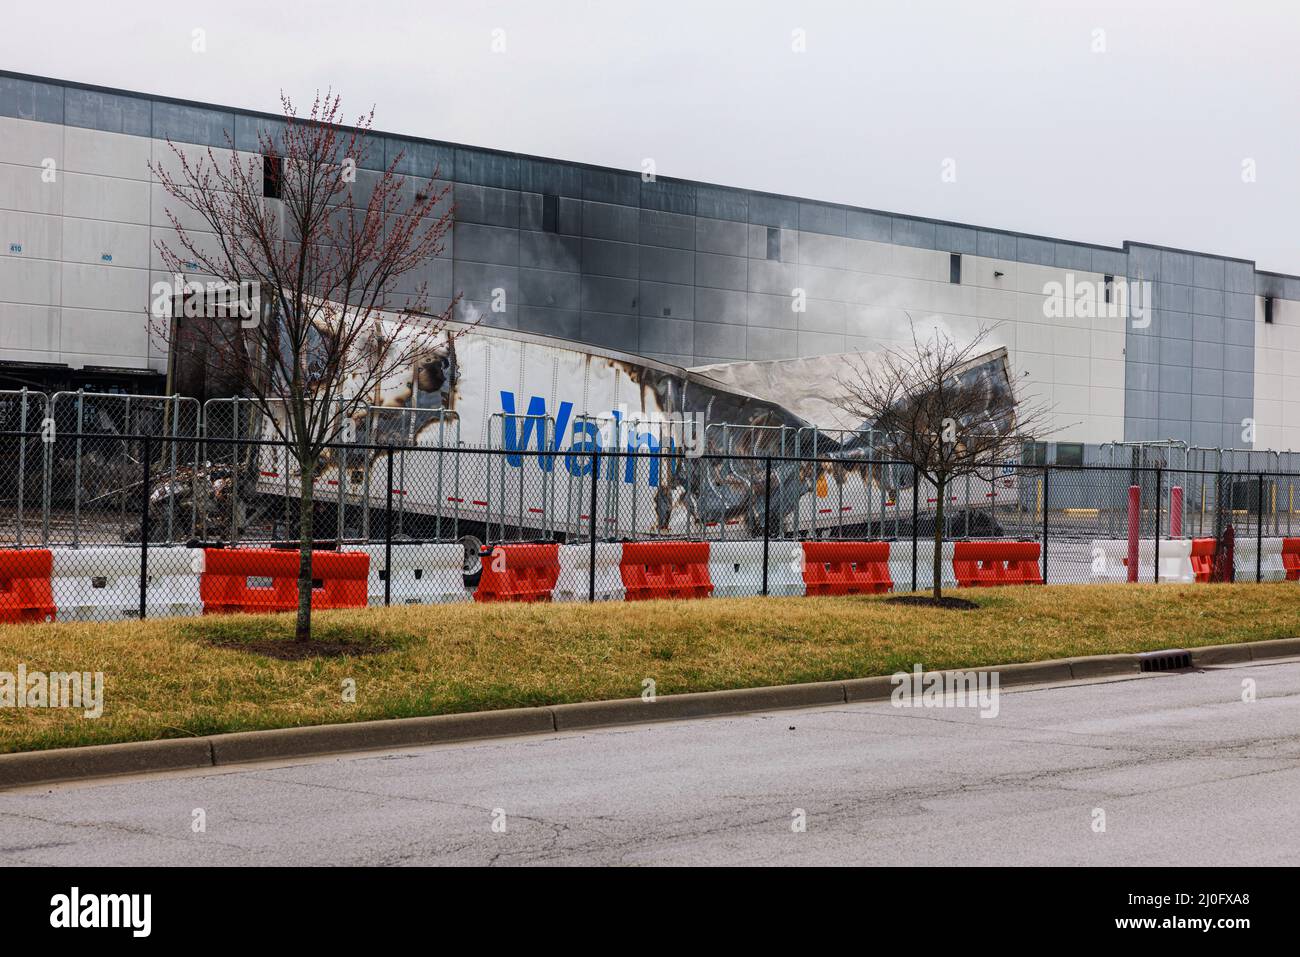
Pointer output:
x,y
684,273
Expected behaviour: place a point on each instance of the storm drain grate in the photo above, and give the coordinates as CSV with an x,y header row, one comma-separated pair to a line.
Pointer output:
x,y
1165,660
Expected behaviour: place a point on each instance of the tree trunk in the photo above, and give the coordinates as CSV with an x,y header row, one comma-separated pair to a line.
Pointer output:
x,y
302,631
938,537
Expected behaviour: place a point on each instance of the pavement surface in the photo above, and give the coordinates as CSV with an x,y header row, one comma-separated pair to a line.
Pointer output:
x,y
1178,768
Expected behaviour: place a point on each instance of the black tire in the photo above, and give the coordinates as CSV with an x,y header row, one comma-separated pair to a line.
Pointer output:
x,y
473,566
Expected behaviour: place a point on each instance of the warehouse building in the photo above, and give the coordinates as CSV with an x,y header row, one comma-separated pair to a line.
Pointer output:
x,y
687,273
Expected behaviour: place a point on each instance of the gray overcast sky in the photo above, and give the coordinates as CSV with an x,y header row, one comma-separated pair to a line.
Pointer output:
x,y
1144,141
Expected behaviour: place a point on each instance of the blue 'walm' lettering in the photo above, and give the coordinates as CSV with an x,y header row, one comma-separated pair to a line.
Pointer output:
x,y
585,439
533,420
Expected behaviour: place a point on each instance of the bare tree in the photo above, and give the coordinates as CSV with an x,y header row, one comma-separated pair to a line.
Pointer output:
x,y
315,257
938,408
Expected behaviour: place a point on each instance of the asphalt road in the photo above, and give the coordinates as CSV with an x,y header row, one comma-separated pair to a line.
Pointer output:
x,y
1184,771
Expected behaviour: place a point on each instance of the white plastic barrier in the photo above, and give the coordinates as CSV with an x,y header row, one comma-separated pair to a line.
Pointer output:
x,y
736,568
900,565
1110,560
784,569
1271,568
431,574
102,583
574,583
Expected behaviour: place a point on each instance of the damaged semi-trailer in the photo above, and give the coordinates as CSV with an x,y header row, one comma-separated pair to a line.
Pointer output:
x,y
672,452
676,453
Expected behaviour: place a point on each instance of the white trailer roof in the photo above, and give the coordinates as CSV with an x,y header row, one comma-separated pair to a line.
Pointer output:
x,y
809,387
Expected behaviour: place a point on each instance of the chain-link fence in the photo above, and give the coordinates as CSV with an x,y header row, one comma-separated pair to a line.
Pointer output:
x,y
22,466
121,490
92,460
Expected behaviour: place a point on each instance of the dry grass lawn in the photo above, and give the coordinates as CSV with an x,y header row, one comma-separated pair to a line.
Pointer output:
x,y
179,677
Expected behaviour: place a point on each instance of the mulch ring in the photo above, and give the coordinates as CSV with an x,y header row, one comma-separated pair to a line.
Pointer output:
x,y
293,650
929,601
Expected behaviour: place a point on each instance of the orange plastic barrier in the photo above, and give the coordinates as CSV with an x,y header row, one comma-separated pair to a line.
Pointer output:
x,y
1203,558
846,568
996,563
1291,558
519,572
338,580
665,570
25,590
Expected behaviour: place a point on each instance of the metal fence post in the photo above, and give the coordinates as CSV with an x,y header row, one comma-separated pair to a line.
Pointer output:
x,y
388,532
1259,532
591,571
1155,572
234,479
341,508
767,515
76,471
49,436
1047,498
22,460
145,532
916,503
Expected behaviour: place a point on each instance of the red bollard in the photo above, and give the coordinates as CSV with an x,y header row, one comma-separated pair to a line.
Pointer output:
x,y
1134,514
1176,512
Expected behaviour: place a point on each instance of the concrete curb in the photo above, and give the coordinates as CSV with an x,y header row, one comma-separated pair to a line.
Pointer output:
x,y
1277,648
375,735
102,760
701,704
868,689
69,764
1221,655
1104,666
1032,672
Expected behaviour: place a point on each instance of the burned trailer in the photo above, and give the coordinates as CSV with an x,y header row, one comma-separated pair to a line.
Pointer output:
x,y
491,433
501,435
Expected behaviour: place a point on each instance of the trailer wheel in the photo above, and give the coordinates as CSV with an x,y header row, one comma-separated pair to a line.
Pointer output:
x,y
473,566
